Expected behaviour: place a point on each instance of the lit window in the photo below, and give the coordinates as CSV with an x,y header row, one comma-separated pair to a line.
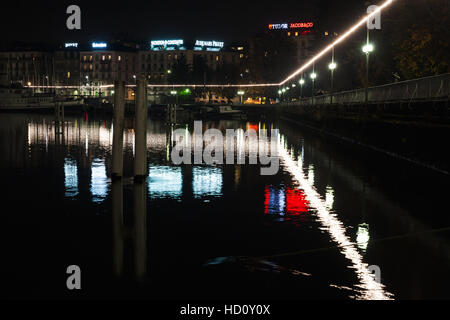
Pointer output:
x,y
289,34
119,58
296,34
109,57
326,33
68,75
84,58
103,58
90,58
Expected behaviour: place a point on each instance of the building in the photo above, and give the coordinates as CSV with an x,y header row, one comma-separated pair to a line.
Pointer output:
x,y
157,63
28,66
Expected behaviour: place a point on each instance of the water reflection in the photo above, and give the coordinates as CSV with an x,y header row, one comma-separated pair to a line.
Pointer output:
x,y
369,289
363,237
71,178
275,200
165,182
99,180
329,198
207,182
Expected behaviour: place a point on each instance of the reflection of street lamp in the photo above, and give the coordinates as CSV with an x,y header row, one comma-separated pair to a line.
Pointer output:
x,y
241,94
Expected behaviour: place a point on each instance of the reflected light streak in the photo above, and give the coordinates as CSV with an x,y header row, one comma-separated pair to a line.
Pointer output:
x,y
370,289
165,182
329,198
207,181
363,237
70,178
99,180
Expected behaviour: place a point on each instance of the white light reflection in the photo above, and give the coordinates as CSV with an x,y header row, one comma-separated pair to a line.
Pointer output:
x,y
370,289
363,237
329,198
99,180
311,174
71,178
165,182
207,181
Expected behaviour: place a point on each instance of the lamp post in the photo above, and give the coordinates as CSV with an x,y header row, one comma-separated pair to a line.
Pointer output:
x,y
301,82
332,66
313,78
367,49
241,94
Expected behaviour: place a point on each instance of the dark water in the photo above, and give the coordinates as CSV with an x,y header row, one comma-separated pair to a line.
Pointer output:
x,y
310,232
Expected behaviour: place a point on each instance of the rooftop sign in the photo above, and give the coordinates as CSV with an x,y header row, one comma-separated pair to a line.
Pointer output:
x,y
97,45
293,25
212,44
166,43
71,45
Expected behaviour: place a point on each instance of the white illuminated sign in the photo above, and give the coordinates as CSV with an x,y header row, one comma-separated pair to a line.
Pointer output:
x,y
214,44
71,45
278,26
99,45
165,43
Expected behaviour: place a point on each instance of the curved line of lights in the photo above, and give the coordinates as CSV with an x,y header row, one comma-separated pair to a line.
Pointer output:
x,y
370,289
293,75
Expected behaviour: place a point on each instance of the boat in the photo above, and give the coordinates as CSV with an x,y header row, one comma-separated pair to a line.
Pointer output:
x,y
18,98
223,112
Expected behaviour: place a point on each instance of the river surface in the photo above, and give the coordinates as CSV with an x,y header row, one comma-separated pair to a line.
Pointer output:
x,y
333,216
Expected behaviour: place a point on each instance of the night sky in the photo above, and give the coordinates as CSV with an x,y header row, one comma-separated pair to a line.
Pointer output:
x,y
45,21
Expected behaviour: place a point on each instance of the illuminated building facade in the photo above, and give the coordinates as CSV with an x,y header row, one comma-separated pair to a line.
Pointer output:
x,y
158,62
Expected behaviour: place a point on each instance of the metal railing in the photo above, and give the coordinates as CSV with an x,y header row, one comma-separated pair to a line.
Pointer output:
x,y
435,88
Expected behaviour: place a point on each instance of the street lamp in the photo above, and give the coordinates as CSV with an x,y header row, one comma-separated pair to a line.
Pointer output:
x,y
241,94
367,50
332,66
313,78
301,82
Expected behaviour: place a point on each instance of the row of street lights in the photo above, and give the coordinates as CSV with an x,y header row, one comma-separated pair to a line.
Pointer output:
x,y
367,49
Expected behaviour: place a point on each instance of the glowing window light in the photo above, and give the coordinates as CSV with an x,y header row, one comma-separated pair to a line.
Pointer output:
x,y
207,182
99,180
165,182
70,178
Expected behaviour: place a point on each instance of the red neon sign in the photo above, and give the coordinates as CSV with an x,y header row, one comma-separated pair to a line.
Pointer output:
x,y
298,25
